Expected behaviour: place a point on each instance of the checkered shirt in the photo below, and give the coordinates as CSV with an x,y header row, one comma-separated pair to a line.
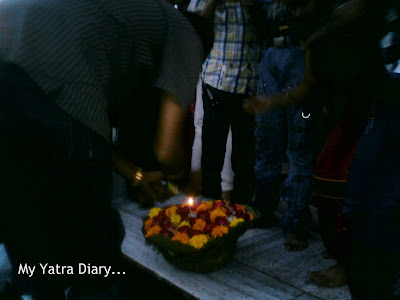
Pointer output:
x,y
232,65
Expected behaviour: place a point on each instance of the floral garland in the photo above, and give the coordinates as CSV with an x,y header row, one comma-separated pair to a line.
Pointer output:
x,y
196,224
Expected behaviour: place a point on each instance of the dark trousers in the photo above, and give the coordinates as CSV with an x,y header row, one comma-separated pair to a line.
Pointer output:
x,y
222,110
56,189
372,207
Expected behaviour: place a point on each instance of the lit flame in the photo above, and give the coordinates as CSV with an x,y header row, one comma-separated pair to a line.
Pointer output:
x,y
190,201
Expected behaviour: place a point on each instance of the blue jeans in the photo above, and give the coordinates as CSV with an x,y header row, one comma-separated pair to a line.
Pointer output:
x,y
56,187
280,130
372,206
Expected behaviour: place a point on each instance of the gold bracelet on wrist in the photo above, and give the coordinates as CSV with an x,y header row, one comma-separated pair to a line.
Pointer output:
x,y
138,177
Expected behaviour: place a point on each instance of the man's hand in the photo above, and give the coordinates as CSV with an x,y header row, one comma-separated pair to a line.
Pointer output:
x,y
257,104
152,189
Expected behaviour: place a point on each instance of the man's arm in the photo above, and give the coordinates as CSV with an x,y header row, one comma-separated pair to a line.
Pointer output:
x,y
209,9
149,183
169,146
204,8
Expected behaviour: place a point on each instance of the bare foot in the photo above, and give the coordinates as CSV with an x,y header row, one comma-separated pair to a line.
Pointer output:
x,y
295,242
327,254
331,277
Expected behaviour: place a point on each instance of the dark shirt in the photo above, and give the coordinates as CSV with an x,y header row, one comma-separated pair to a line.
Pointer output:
x,y
66,48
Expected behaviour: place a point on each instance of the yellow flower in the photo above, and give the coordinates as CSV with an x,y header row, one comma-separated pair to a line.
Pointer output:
x,y
171,210
154,212
198,241
153,230
219,231
216,213
148,224
181,237
209,204
236,221
175,218
184,223
199,225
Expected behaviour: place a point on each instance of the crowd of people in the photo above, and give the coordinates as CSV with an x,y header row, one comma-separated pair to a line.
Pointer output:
x,y
91,86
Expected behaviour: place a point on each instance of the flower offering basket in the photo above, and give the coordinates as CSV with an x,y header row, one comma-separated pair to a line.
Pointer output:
x,y
201,237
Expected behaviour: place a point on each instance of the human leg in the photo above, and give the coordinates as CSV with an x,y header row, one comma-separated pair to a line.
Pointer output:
x,y
242,152
227,174
296,189
216,121
270,140
372,207
270,136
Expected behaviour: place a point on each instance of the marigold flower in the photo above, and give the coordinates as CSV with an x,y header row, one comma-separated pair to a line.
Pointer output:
x,y
153,230
199,225
148,224
154,212
175,218
198,241
235,221
171,210
184,223
219,231
251,216
209,204
216,213
181,237
239,207
202,206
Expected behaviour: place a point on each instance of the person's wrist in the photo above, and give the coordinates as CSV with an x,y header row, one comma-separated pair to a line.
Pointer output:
x,y
137,177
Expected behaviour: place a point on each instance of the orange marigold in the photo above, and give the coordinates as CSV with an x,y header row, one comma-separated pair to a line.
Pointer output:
x,y
181,237
204,206
171,210
240,207
216,213
199,225
219,231
148,224
153,230
251,216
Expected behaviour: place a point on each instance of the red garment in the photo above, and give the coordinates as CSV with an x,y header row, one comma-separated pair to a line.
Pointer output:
x,y
330,178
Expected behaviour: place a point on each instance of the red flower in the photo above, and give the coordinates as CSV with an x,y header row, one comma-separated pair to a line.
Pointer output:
x,y
209,227
160,217
184,229
219,203
204,214
183,210
166,232
193,232
221,221
192,220
244,215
